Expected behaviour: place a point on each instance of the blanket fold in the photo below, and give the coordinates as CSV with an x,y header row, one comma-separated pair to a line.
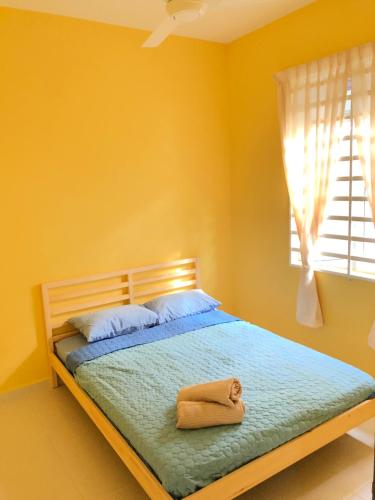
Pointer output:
x,y
199,414
226,392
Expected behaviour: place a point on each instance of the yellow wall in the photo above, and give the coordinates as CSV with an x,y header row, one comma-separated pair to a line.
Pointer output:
x,y
111,156
265,285
115,156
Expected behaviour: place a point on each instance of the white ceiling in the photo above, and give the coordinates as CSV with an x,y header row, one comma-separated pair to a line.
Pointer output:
x,y
231,19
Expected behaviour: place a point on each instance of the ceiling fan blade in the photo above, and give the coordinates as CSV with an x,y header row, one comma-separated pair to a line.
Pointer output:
x,y
161,33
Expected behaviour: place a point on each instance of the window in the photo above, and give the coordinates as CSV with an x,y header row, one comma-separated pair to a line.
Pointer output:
x,y
347,240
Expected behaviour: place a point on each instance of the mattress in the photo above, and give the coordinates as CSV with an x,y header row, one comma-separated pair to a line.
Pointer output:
x,y
66,346
287,388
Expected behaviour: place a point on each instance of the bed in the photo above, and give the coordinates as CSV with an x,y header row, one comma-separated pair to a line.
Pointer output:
x,y
297,400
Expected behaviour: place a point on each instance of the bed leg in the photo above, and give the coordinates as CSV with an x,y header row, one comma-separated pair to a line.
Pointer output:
x,y
55,381
373,477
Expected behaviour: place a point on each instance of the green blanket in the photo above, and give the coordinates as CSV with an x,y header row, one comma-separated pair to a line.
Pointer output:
x,y
288,389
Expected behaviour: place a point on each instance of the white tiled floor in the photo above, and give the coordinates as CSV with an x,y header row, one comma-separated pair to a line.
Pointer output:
x,y
50,450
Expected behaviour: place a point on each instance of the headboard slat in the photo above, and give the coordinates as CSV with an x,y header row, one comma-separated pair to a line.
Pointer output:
x,y
162,289
82,293
88,279
165,277
68,296
89,305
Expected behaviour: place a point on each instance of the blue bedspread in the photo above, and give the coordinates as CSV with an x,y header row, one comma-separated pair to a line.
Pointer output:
x,y
161,332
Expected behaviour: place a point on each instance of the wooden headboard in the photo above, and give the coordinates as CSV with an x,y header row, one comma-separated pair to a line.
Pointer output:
x,y
64,299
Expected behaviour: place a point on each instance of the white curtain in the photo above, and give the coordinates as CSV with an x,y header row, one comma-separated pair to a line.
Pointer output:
x,y
363,106
312,105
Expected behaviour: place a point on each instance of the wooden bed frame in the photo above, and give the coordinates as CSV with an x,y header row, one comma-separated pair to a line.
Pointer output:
x,y
62,299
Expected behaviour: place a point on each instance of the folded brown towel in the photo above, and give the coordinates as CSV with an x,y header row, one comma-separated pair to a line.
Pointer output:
x,y
225,392
199,414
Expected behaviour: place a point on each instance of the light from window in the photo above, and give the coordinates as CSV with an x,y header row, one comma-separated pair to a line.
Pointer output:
x,y
347,241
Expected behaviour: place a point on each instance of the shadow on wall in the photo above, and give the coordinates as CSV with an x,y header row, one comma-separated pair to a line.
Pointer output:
x,y
25,370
